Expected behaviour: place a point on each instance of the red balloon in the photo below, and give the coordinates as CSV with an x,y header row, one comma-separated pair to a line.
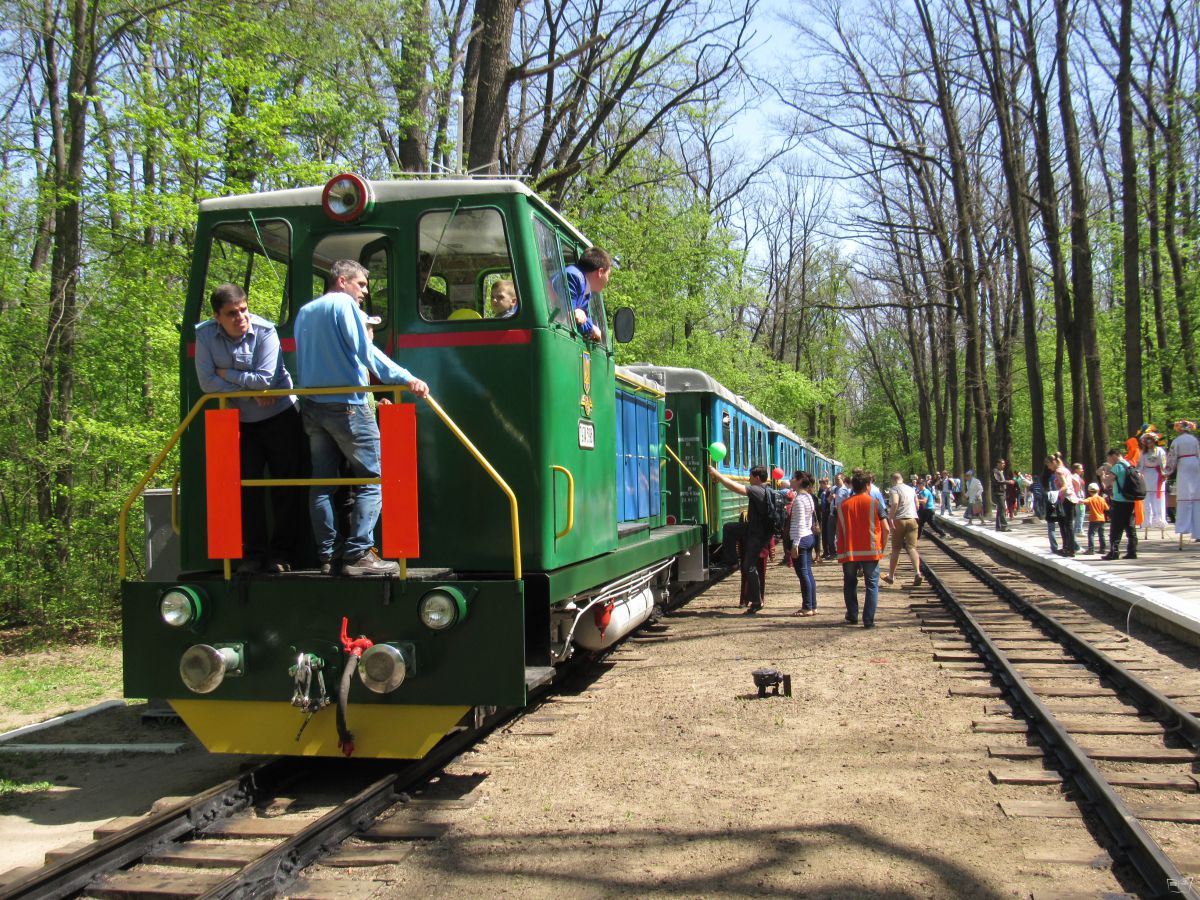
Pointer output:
x,y
777,473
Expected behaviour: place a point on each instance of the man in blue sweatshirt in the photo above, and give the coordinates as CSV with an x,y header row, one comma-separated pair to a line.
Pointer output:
x,y
333,348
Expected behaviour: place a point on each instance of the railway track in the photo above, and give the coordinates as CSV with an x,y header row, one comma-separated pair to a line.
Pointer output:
x,y
1073,687
262,827
251,836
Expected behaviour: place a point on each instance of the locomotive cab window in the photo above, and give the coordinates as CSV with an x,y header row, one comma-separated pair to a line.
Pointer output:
x,y
370,248
554,276
461,253
255,255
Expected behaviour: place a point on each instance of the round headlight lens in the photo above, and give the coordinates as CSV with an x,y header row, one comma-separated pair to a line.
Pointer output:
x,y
382,668
203,668
346,197
180,606
442,608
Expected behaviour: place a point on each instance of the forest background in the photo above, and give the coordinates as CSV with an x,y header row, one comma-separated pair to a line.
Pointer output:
x,y
924,234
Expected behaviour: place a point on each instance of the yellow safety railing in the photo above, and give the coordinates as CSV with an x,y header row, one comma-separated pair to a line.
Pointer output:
x,y
221,398
688,472
570,502
500,482
175,503
652,391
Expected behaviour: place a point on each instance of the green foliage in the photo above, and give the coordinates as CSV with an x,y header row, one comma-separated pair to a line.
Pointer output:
x,y
195,100
11,786
57,681
682,274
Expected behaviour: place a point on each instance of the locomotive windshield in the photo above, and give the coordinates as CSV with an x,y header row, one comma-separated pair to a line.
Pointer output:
x,y
254,254
462,252
371,248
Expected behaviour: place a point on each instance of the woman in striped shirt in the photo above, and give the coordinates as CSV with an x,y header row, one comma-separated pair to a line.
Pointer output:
x,y
803,534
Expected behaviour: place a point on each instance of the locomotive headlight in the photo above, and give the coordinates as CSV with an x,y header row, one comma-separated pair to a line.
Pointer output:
x,y
347,197
443,607
180,606
382,668
203,667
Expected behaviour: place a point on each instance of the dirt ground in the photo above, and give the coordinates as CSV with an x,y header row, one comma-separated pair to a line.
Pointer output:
x,y
667,776
89,790
675,780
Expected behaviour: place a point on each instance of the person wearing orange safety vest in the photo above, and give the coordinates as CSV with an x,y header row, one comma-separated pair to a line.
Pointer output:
x,y
862,533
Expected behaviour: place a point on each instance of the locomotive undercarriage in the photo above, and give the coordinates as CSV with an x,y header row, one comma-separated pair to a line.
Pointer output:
x,y
598,618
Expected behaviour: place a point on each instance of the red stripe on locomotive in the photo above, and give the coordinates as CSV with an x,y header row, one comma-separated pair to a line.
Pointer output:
x,y
462,339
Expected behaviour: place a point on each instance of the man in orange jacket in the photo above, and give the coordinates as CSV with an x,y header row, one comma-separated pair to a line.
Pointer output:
x,y
862,533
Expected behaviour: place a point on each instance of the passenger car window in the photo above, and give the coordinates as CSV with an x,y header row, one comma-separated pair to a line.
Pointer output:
x,y
256,255
727,440
457,250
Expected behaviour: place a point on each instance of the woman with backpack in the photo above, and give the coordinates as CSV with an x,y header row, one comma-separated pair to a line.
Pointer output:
x,y
1120,477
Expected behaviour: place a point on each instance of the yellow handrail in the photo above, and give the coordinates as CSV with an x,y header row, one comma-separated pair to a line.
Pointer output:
x,y
395,390
570,502
175,503
688,472
487,466
652,391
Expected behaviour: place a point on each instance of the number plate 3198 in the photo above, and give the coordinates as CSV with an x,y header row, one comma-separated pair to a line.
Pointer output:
x,y
587,435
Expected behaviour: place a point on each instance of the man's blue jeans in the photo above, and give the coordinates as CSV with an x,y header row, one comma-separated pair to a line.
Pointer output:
x,y
946,502
870,572
336,431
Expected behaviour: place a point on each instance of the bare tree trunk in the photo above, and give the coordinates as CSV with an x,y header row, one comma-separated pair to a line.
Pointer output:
x,y
1017,186
964,208
1173,138
1129,222
56,398
1081,250
1156,274
485,87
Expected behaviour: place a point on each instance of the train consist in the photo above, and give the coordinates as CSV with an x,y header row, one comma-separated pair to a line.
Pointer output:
x,y
543,500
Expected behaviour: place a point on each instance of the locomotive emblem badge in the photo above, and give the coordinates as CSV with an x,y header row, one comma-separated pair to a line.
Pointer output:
x,y
585,401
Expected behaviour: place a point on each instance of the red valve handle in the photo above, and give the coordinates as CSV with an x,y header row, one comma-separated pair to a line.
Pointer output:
x,y
354,645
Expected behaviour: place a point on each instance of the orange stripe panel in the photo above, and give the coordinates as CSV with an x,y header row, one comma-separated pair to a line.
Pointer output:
x,y
398,472
223,465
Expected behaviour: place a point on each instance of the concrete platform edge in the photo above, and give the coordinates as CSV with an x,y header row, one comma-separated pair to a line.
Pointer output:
x,y
60,720
1159,609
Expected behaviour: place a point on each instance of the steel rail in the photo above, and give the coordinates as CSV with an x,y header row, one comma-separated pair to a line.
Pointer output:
x,y
1173,716
72,873
270,874
1156,869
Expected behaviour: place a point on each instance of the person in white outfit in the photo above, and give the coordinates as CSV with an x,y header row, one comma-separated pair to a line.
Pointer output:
x,y
1183,461
974,488
1153,463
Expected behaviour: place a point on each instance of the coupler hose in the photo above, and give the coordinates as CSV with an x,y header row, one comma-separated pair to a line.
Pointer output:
x,y
345,737
354,650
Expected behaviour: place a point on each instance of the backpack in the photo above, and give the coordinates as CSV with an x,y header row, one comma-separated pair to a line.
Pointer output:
x,y
1134,487
777,514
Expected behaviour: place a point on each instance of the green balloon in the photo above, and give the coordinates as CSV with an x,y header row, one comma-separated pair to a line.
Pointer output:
x,y
717,451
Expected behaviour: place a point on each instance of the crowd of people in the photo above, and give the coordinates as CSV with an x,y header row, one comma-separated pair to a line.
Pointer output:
x,y
1127,492
851,521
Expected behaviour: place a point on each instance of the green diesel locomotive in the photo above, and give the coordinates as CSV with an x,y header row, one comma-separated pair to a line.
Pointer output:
x,y
532,499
